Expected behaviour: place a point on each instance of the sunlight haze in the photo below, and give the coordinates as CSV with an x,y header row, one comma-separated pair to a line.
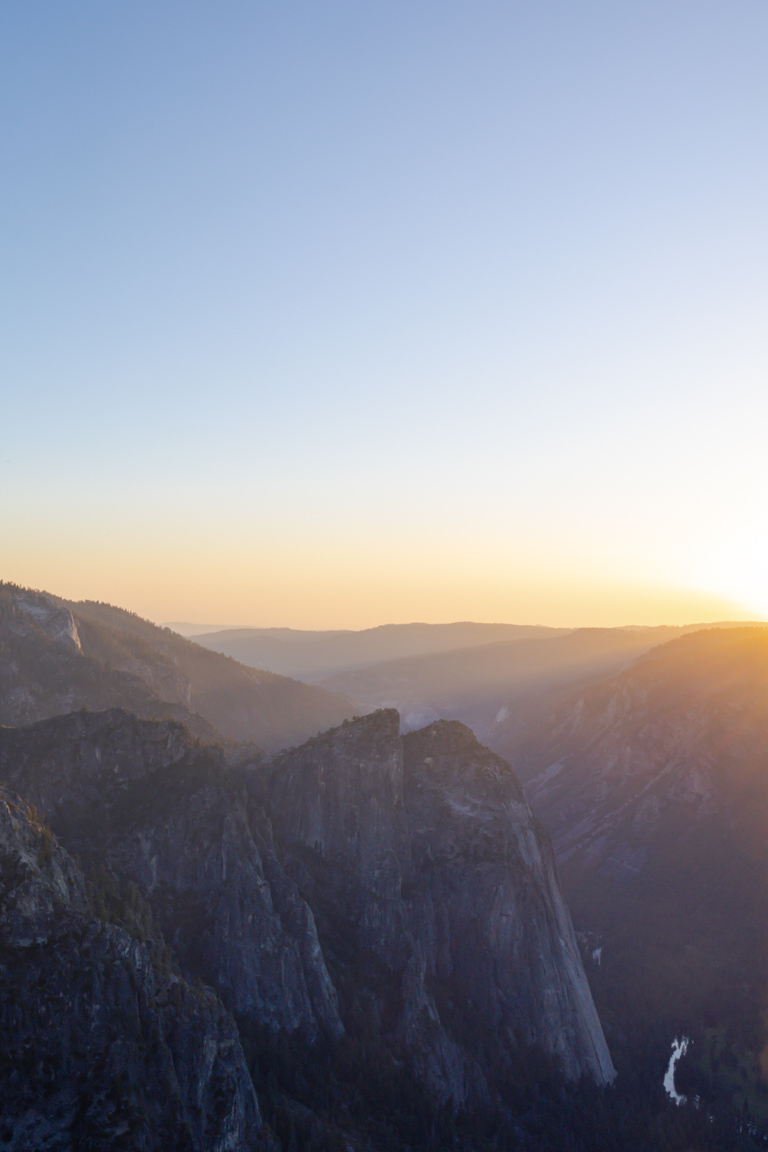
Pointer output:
x,y
329,316
384,575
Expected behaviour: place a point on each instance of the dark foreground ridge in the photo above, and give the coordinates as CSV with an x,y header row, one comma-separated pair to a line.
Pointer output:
x,y
104,1043
365,933
358,883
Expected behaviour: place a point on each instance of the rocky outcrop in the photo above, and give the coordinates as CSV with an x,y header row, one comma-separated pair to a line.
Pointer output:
x,y
102,1044
359,881
488,919
422,854
57,623
339,798
144,800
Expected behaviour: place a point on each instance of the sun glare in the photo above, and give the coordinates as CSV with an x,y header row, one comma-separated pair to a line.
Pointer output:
x,y
739,570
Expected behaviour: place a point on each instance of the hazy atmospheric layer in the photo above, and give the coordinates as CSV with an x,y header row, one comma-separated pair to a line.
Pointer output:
x,y
329,315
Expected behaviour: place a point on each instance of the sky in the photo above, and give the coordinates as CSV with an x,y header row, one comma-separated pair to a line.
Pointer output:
x,y
338,314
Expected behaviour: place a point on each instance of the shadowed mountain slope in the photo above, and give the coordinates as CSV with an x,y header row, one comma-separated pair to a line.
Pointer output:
x,y
147,801
104,1044
654,785
357,881
57,656
481,685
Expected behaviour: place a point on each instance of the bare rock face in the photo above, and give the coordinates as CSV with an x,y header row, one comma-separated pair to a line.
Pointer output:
x,y
76,768
450,894
339,797
487,917
359,877
141,798
102,1045
343,793
222,897
56,622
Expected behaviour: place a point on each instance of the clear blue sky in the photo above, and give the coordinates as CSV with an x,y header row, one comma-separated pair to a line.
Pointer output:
x,y
337,313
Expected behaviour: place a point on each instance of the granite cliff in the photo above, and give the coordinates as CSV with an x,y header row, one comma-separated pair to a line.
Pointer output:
x,y
488,918
104,1043
147,802
360,884
429,874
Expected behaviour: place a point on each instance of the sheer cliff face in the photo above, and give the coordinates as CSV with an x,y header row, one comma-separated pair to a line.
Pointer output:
x,y
140,797
432,835
340,797
488,917
102,1046
359,872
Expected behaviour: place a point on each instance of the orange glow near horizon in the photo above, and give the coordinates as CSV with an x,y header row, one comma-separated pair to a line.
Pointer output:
x,y
347,571
326,340
321,592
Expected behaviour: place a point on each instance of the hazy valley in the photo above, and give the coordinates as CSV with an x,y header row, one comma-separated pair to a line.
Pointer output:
x,y
383,594
362,938
489,676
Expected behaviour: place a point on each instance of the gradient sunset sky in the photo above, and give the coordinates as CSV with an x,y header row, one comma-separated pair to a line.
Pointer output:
x,y
336,314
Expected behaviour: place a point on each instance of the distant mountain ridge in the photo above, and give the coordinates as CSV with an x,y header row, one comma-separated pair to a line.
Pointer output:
x,y
189,630
311,655
57,656
488,676
480,685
